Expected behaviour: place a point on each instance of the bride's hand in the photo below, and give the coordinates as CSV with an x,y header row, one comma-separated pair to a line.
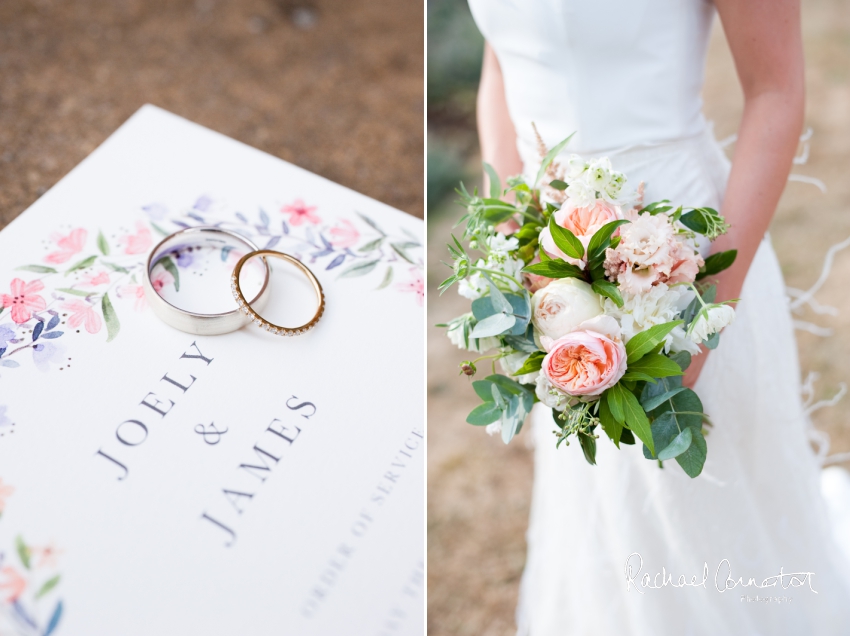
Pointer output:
x,y
693,371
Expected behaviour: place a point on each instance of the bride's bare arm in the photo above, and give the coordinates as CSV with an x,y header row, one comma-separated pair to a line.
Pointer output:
x,y
496,131
765,39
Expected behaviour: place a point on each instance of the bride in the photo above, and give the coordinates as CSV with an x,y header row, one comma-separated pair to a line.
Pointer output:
x,y
627,75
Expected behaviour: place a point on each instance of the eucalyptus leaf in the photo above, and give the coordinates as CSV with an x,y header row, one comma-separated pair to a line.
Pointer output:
x,y
484,414
678,446
650,403
494,325
693,459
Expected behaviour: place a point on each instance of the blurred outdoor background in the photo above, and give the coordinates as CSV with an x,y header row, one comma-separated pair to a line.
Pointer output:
x,y
334,87
478,488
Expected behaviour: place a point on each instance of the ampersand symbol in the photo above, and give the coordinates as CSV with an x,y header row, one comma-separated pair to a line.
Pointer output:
x,y
211,431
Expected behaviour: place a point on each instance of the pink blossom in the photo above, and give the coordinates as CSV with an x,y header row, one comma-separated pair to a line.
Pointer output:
x,y
93,280
136,292
415,285
535,282
344,234
160,277
137,243
46,555
299,212
68,246
83,312
686,264
5,492
13,583
23,300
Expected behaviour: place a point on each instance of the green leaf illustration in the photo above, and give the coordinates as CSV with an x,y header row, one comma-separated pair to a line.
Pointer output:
x,y
388,278
74,292
113,326
86,262
38,269
23,551
49,585
359,269
102,244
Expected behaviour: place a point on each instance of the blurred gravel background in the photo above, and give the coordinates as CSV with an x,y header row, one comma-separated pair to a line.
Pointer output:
x,y
479,489
333,86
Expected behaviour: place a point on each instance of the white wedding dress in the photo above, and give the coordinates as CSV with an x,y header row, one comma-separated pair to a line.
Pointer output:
x,y
627,75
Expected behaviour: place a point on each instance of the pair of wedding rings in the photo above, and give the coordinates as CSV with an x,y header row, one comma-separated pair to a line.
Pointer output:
x,y
245,311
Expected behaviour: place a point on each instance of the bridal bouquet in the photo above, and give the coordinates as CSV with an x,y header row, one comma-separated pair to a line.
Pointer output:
x,y
593,304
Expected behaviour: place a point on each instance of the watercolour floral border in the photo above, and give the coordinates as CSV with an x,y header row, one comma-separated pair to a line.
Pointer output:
x,y
28,582
78,284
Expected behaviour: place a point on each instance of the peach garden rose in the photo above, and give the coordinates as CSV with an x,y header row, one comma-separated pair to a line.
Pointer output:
x,y
581,221
587,361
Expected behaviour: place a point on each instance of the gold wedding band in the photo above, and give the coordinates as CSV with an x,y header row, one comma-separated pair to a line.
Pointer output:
x,y
257,319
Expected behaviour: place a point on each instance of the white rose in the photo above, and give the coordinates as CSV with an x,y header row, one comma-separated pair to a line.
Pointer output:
x,y
710,322
513,362
562,305
549,395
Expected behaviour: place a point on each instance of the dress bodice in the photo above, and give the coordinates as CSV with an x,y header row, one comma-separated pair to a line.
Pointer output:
x,y
618,72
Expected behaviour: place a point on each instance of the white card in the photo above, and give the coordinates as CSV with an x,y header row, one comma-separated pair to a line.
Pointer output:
x,y
122,510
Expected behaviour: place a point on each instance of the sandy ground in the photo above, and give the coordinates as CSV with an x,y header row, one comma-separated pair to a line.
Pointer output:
x,y
334,87
479,489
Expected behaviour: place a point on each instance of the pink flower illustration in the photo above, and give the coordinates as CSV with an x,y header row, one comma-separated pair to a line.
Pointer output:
x,y
160,277
5,492
415,285
46,555
299,212
136,292
344,234
23,300
137,243
93,280
13,583
82,312
68,246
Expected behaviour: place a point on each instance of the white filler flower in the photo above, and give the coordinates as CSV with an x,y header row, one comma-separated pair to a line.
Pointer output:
x,y
710,321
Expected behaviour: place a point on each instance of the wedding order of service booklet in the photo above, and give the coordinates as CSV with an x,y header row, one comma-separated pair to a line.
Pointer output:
x,y
156,482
